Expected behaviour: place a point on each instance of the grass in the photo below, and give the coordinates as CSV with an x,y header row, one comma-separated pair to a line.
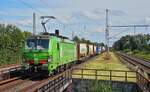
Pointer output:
x,y
141,54
144,56
100,87
101,63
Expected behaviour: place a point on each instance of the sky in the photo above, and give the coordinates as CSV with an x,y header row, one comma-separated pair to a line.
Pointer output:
x,y
84,18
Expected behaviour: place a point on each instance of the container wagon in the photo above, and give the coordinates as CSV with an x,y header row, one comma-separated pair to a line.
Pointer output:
x,y
81,50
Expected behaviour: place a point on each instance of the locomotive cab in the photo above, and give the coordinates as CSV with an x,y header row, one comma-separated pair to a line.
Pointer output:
x,y
48,52
36,52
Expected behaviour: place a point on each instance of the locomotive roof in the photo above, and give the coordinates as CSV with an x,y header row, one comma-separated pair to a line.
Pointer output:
x,y
47,35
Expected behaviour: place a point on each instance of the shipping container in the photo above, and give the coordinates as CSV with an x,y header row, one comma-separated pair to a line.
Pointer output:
x,y
98,49
95,49
82,50
91,50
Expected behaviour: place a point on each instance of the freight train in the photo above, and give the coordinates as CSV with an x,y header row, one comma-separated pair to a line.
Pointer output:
x,y
52,52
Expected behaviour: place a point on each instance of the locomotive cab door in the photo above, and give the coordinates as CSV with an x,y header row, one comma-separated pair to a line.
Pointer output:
x,y
58,52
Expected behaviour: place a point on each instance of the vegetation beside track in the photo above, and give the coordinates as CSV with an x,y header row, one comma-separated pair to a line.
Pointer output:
x,y
100,63
137,45
100,87
11,42
140,54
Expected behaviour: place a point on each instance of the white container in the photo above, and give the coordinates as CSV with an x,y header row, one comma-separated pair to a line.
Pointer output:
x,y
83,49
90,49
94,49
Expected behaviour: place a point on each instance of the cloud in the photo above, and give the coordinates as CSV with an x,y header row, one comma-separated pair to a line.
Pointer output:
x,y
117,13
97,14
147,20
98,30
93,15
90,32
24,22
89,14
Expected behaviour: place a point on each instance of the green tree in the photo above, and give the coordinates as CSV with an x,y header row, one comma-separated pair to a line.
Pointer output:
x,y
136,42
11,43
76,39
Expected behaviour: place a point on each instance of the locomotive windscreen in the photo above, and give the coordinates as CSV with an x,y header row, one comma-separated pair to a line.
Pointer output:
x,y
37,43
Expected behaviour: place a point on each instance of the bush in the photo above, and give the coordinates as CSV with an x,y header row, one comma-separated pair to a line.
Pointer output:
x,y
136,51
11,44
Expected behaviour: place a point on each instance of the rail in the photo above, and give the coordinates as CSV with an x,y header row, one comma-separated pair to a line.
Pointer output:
x,y
142,64
143,83
9,72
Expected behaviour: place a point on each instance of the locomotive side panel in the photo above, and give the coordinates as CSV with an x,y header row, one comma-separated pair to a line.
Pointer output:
x,y
67,52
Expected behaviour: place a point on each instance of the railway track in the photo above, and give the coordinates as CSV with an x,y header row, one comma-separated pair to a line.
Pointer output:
x,y
9,65
141,64
9,72
18,83
40,83
26,84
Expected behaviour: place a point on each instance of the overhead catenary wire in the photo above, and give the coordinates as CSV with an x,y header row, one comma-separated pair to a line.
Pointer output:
x,y
30,6
117,34
45,3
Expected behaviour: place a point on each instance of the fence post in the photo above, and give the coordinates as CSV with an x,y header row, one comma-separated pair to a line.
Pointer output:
x,y
82,73
110,74
96,74
126,76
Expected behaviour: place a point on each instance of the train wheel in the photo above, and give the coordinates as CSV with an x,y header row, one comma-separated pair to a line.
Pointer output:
x,y
51,73
66,66
39,69
58,69
55,72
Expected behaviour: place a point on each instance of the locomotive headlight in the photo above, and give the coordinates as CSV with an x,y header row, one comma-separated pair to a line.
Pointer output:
x,y
49,59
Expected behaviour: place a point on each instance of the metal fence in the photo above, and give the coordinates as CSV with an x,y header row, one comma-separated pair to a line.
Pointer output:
x,y
114,75
99,74
60,82
57,84
143,83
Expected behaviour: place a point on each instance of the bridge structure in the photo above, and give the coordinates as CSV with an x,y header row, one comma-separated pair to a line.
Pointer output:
x,y
64,81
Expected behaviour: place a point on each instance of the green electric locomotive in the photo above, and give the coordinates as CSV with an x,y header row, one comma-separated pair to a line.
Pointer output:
x,y
48,52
